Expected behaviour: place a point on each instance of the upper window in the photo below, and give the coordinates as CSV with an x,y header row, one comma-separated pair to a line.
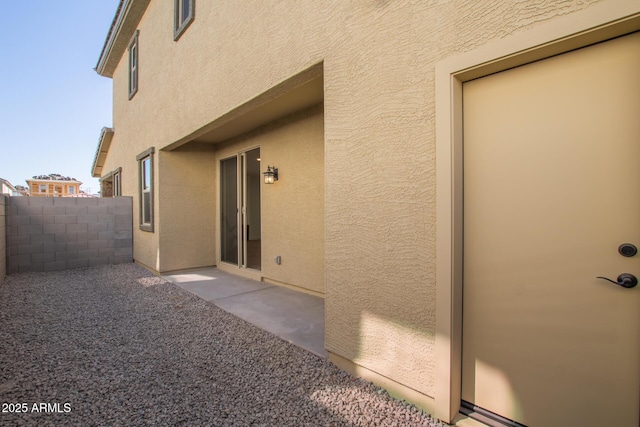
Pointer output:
x,y
145,190
72,189
43,188
184,14
133,65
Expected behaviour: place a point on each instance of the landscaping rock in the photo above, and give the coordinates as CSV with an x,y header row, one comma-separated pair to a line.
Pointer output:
x,y
115,345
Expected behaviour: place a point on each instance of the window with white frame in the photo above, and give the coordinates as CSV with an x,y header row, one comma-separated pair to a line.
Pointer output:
x,y
71,189
184,14
133,65
145,189
43,188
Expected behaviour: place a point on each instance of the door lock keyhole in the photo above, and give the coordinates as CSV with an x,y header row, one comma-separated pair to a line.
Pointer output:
x,y
627,250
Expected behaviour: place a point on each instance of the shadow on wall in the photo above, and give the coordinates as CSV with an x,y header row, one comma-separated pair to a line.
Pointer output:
x,y
384,319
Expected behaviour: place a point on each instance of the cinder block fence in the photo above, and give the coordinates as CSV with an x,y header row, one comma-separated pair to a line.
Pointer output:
x,y
58,233
3,238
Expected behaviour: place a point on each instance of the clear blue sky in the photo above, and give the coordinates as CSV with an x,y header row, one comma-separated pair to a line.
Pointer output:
x,y
52,103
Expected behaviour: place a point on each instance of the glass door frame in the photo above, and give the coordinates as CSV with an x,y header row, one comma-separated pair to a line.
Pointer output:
x,y
242,202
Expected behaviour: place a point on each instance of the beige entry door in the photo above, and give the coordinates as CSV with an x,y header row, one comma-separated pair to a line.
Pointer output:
x,y
551,191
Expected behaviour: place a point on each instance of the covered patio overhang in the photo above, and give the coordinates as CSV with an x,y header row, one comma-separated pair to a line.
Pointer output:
x,y
301,91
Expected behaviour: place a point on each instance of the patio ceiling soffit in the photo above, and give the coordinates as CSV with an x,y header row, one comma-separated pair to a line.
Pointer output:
x,y
301,91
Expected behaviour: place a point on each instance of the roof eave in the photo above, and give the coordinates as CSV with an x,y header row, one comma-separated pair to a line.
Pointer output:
x,y
124,24
8,184
66,181
106,135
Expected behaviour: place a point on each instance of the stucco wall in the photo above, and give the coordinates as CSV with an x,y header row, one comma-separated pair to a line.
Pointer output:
x,y
184,203
379,138
186,206
122,154
293,207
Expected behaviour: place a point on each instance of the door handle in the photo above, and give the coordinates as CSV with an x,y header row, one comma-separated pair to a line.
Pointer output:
x,y
625,280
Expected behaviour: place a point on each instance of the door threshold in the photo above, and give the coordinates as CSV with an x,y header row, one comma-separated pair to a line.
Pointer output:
x,y
238,271
486,417
462,420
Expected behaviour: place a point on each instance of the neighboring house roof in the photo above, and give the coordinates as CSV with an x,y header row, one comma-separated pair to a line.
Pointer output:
x,y
106,135
122,28
53,177
21,190
5,183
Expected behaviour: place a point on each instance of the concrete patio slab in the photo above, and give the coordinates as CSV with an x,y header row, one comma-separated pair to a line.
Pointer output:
x,y
212,284
294,316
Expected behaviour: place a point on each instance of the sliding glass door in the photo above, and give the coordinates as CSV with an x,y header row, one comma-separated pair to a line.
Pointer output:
x,y
229,210
240,210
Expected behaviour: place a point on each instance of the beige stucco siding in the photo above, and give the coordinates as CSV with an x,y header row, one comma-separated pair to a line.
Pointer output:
x,y
184,209
186,205
379,142
293,207
380,175
122,154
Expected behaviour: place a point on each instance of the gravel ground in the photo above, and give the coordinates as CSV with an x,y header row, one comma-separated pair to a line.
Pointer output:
x,y
116,346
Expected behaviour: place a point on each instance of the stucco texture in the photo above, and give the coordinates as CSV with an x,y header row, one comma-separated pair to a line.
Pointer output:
x,y
122,154
293,207
187,207
379,142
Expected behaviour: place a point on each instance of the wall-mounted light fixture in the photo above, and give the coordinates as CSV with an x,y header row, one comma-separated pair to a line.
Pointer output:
x,y
271,175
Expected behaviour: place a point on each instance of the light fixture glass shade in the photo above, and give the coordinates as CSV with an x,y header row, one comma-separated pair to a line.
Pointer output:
x,y
271,175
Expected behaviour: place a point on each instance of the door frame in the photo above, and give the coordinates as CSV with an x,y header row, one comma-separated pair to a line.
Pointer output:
x,y
241,188
597,23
